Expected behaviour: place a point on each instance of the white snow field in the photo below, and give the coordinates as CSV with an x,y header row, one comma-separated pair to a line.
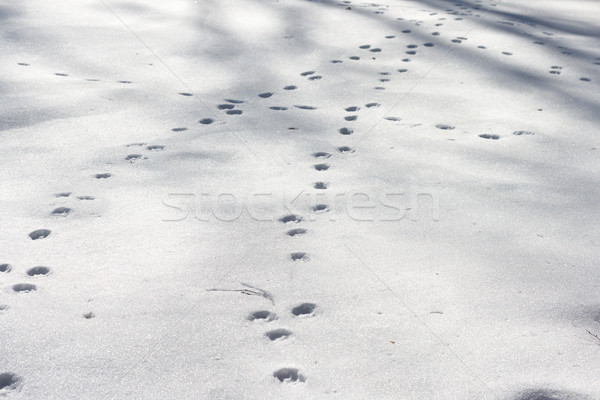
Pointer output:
x,y
262,199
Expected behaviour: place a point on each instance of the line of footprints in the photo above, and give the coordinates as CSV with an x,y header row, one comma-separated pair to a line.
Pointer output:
x,y
304,309
232,107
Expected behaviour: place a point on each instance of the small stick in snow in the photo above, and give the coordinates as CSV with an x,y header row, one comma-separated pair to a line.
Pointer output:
x,y
251,291
596,336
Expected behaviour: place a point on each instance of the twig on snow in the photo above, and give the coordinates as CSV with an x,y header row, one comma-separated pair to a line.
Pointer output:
x,y
249,291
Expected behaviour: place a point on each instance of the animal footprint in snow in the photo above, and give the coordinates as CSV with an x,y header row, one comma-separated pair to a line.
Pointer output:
x,y
64,194
521,133
265,316
584,79
234,112
206,121
306,107
86,198
321,154
296,232
346,131
61,211
289,375
304,310
105,175
133,157
278,108
225,106
321,167
290,87
6,268
179,129
345,149
555,69
354,108
233,101
320,185
371,105
444,127
291,218
35,271
278,334
9,382
299,256
265,95
24,288
488,136
352,117
89,315
355,58
320,208
39,234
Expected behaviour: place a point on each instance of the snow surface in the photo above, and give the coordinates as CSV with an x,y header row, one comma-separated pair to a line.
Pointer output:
x,y
449,241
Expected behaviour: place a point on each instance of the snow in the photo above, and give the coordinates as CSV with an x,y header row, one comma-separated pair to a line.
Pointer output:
x,y
448,242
